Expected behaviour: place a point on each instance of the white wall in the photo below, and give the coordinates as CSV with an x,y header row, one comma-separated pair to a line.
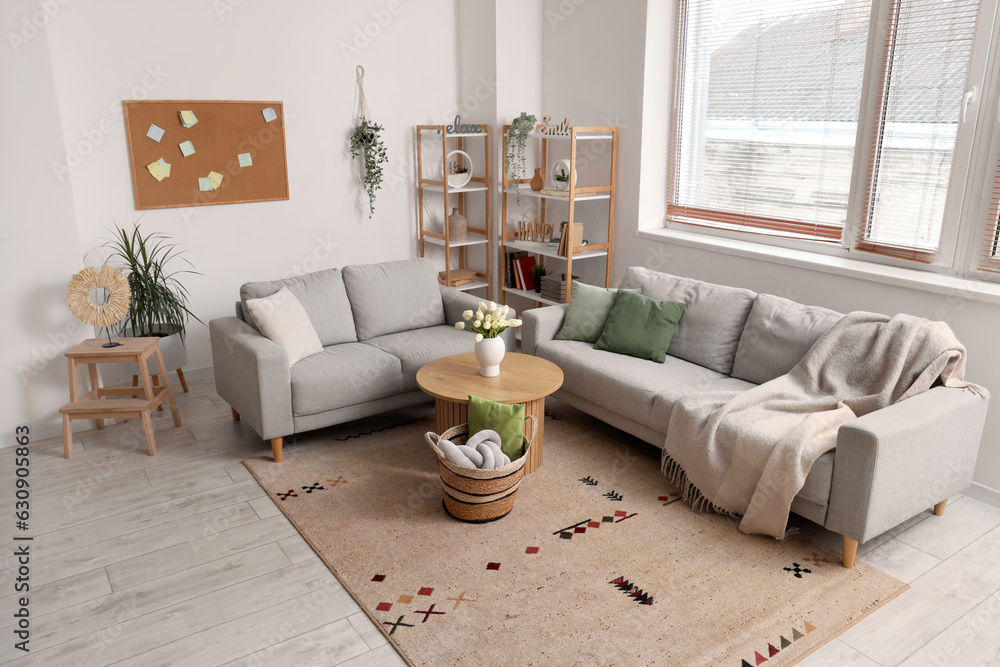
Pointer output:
x,y
39,244
606,41
293,52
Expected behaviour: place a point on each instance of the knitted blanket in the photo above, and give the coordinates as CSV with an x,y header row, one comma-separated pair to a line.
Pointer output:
x,y
747,454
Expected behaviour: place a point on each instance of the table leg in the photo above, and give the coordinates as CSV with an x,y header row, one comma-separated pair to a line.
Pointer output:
x,y
450,414
94,388
170,392
74,382
180,376
67,437
536,408
147,426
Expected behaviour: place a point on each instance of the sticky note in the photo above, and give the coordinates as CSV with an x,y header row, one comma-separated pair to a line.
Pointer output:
x,y
159,169
269,114
187,118
245,160
216,179
187,148
205,184
155,132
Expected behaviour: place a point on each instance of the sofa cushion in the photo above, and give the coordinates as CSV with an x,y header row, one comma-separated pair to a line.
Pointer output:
x,y
710,330
777,335
343,375
818,482
587,312
283,319
663,403
624,385
640,327
323,296
421,346
394,296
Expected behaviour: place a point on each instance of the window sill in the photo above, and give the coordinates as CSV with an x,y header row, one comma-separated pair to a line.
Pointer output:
x,y
840,266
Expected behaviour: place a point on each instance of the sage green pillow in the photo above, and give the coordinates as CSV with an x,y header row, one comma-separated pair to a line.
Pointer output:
x,y
587,313
640,326
506,419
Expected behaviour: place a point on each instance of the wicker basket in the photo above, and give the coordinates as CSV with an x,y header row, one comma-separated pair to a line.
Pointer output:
x,y
474,495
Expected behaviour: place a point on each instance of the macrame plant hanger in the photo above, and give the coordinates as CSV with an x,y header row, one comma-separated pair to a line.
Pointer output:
x,y
360,103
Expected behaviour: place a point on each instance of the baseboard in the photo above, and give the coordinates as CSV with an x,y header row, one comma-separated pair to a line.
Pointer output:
x,y
53,428
983,493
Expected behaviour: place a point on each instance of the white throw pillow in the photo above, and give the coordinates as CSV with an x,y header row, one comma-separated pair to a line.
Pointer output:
x,y
282,318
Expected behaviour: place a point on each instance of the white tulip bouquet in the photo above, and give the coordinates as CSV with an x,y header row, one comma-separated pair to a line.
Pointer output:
x,y
488,322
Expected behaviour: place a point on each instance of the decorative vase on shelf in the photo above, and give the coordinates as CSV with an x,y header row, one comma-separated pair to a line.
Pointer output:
x,y
537,182
458,226
489,354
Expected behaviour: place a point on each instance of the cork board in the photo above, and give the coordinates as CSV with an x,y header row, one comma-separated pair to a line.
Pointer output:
x,y
223,131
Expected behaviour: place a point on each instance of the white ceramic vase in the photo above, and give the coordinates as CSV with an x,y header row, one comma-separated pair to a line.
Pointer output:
x,y
489,354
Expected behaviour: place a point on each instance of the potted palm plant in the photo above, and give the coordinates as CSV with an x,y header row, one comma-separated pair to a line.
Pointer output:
x,y
159,305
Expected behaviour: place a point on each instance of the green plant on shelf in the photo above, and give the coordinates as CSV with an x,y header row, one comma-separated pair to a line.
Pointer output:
x,y
562,176
538,271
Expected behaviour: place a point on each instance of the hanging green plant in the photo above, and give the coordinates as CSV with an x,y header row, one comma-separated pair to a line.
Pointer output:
x,y
366,140
517,138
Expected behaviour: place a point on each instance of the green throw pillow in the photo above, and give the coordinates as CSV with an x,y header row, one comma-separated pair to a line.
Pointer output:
x,y
587,313
507,420
640,326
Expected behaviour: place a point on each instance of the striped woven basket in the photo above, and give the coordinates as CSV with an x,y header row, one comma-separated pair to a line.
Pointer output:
x,y
474,495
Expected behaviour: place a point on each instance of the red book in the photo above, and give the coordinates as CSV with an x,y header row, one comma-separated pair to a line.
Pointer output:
x,y
522,268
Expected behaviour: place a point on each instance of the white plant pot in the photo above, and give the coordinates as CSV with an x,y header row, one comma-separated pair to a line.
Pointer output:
x,y
171,347
561,186
458,180
489,354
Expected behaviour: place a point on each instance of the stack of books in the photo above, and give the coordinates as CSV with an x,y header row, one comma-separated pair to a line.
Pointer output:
x,y
459,277
554,287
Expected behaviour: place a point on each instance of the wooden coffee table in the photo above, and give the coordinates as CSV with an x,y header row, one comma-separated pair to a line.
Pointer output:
x,y
523,379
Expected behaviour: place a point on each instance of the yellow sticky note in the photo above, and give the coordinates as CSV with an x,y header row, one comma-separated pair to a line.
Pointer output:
x,y
159,169
216,179
187,118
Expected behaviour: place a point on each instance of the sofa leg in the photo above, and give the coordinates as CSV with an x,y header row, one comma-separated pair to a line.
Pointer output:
x,y
276,451
939,508
850,551
236,415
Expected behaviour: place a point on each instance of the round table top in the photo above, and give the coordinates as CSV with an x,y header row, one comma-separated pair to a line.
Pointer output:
x,y
522,378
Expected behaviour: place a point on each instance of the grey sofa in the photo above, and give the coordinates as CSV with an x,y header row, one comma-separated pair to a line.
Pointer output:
x,y
378,323
888,465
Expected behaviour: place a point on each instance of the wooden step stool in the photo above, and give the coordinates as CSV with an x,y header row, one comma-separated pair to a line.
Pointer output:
x,y
100,403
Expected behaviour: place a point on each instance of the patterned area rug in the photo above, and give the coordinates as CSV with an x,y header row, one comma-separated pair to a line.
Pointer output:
x,y
597,564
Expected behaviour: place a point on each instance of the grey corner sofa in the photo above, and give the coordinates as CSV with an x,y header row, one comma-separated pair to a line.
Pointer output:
x,y
378,323
888,465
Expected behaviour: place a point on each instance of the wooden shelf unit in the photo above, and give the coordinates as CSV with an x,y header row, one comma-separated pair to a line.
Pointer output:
x,y
477,235
508,241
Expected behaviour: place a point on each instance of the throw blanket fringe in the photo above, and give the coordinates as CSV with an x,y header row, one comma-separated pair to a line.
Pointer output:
x,y
689,492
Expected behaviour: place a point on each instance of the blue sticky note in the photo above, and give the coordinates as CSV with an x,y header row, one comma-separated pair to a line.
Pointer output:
x,y
187,148
155,132
269,114
205,184
245,160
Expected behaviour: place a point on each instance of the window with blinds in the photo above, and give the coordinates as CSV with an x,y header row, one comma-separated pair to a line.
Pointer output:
x,y
766,114
989,259
923,83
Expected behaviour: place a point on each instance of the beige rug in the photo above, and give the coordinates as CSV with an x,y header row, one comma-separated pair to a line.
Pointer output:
x,y
597,564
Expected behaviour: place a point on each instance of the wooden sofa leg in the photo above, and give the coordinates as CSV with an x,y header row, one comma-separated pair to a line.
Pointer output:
x,y
850,551
276,450
236,415
939,508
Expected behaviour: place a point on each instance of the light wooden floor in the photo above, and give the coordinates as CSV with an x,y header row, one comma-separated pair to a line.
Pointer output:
x,y
181,559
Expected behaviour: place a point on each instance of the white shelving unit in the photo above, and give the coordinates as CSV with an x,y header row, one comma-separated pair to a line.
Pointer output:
x,y
508,241
477,235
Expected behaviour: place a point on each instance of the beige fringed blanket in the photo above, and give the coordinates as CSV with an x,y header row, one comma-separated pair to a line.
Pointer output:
x,y
748,453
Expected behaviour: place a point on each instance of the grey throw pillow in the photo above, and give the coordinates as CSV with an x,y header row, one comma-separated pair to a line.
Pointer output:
x,y
587,313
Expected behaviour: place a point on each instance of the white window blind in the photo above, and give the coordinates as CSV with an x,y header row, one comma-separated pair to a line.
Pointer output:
x,y
989,259
926,60
766,114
